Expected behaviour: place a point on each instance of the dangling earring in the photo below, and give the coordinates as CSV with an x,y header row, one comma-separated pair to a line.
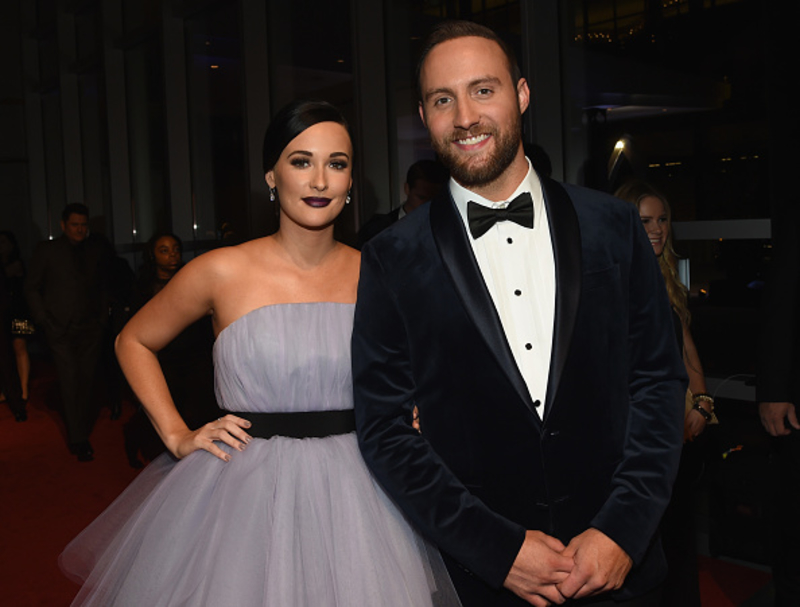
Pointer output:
x,y
272,194
347,200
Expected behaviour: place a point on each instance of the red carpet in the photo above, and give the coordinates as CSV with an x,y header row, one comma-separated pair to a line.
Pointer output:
x,y
48,497
724,584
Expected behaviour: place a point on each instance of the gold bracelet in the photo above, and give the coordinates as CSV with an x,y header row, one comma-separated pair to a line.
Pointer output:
x,y
703,396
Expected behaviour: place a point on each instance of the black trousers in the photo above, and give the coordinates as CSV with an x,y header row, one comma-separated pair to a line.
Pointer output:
x,y
651,599
679,533
76,355
9,379
786,532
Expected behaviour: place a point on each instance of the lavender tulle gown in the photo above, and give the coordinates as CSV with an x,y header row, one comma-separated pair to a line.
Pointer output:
x,y
288,522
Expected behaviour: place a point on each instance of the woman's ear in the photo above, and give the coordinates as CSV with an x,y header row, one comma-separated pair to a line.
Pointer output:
x,y
269,177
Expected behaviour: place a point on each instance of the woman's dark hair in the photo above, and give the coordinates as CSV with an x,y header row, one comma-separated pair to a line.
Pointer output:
x,y
292,120
150,246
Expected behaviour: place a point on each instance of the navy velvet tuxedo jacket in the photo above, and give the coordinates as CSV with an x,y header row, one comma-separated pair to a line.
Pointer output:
x,y
377,224
485,467
779,340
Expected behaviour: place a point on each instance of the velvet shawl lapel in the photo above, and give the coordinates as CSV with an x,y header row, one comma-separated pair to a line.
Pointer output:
x,y
460,263
566,236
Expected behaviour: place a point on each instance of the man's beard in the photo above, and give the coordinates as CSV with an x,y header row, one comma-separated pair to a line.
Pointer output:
x,y
480,170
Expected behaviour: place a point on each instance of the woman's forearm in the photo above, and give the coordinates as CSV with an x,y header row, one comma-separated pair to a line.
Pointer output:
x,y
144,374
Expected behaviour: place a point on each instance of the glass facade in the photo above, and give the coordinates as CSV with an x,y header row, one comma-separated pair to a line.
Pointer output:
x,y
53,158
680,84
673,93
146,138
94,143
215,107
172,100
311,57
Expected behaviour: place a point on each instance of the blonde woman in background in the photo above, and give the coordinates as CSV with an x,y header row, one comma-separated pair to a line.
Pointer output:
x,y
678,533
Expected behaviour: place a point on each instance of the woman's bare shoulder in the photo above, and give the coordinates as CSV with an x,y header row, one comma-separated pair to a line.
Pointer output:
x,y
350,255
349,270
227,261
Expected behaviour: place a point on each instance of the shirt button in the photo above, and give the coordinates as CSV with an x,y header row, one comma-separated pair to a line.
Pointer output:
x,y
529,346
537,403
517,292
510,240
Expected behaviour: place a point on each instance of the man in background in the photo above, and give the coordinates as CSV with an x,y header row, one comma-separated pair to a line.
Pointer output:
x,y
68,298
424,180
777,394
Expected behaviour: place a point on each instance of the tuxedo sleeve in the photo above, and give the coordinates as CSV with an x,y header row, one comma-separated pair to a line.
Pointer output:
x,y
405,464
642,482
780,315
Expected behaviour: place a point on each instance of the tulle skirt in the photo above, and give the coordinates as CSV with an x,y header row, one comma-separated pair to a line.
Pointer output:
x,y
288,522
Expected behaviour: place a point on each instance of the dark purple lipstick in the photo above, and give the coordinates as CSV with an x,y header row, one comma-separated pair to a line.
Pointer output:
x,y
317,203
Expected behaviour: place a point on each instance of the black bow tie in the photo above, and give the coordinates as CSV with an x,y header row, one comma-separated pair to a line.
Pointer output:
x,y
481,218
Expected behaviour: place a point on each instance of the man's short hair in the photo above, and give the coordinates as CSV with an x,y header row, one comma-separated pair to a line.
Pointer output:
x,y
450,30
429,170
74,208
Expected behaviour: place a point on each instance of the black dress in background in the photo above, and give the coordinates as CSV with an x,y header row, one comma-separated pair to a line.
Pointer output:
x,y
9,379
189,371
678,529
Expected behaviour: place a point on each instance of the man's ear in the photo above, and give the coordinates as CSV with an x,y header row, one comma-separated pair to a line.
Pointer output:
x,y
523,95
63,225
422,115
406,189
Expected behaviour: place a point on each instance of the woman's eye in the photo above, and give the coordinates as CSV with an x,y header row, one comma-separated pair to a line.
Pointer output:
x,y
300,162
339,165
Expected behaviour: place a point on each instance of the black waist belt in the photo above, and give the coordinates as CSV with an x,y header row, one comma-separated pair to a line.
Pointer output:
x,y
304,424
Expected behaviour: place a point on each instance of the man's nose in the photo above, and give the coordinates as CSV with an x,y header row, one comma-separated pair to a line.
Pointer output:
x,y
467,114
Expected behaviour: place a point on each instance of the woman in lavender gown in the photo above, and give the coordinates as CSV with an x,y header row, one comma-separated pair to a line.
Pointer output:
x,y
270,504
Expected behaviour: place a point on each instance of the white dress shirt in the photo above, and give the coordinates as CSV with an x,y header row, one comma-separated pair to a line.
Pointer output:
x,y
518,267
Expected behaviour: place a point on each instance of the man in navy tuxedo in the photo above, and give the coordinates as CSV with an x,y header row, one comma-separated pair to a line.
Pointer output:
x,y
778,394
528,323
